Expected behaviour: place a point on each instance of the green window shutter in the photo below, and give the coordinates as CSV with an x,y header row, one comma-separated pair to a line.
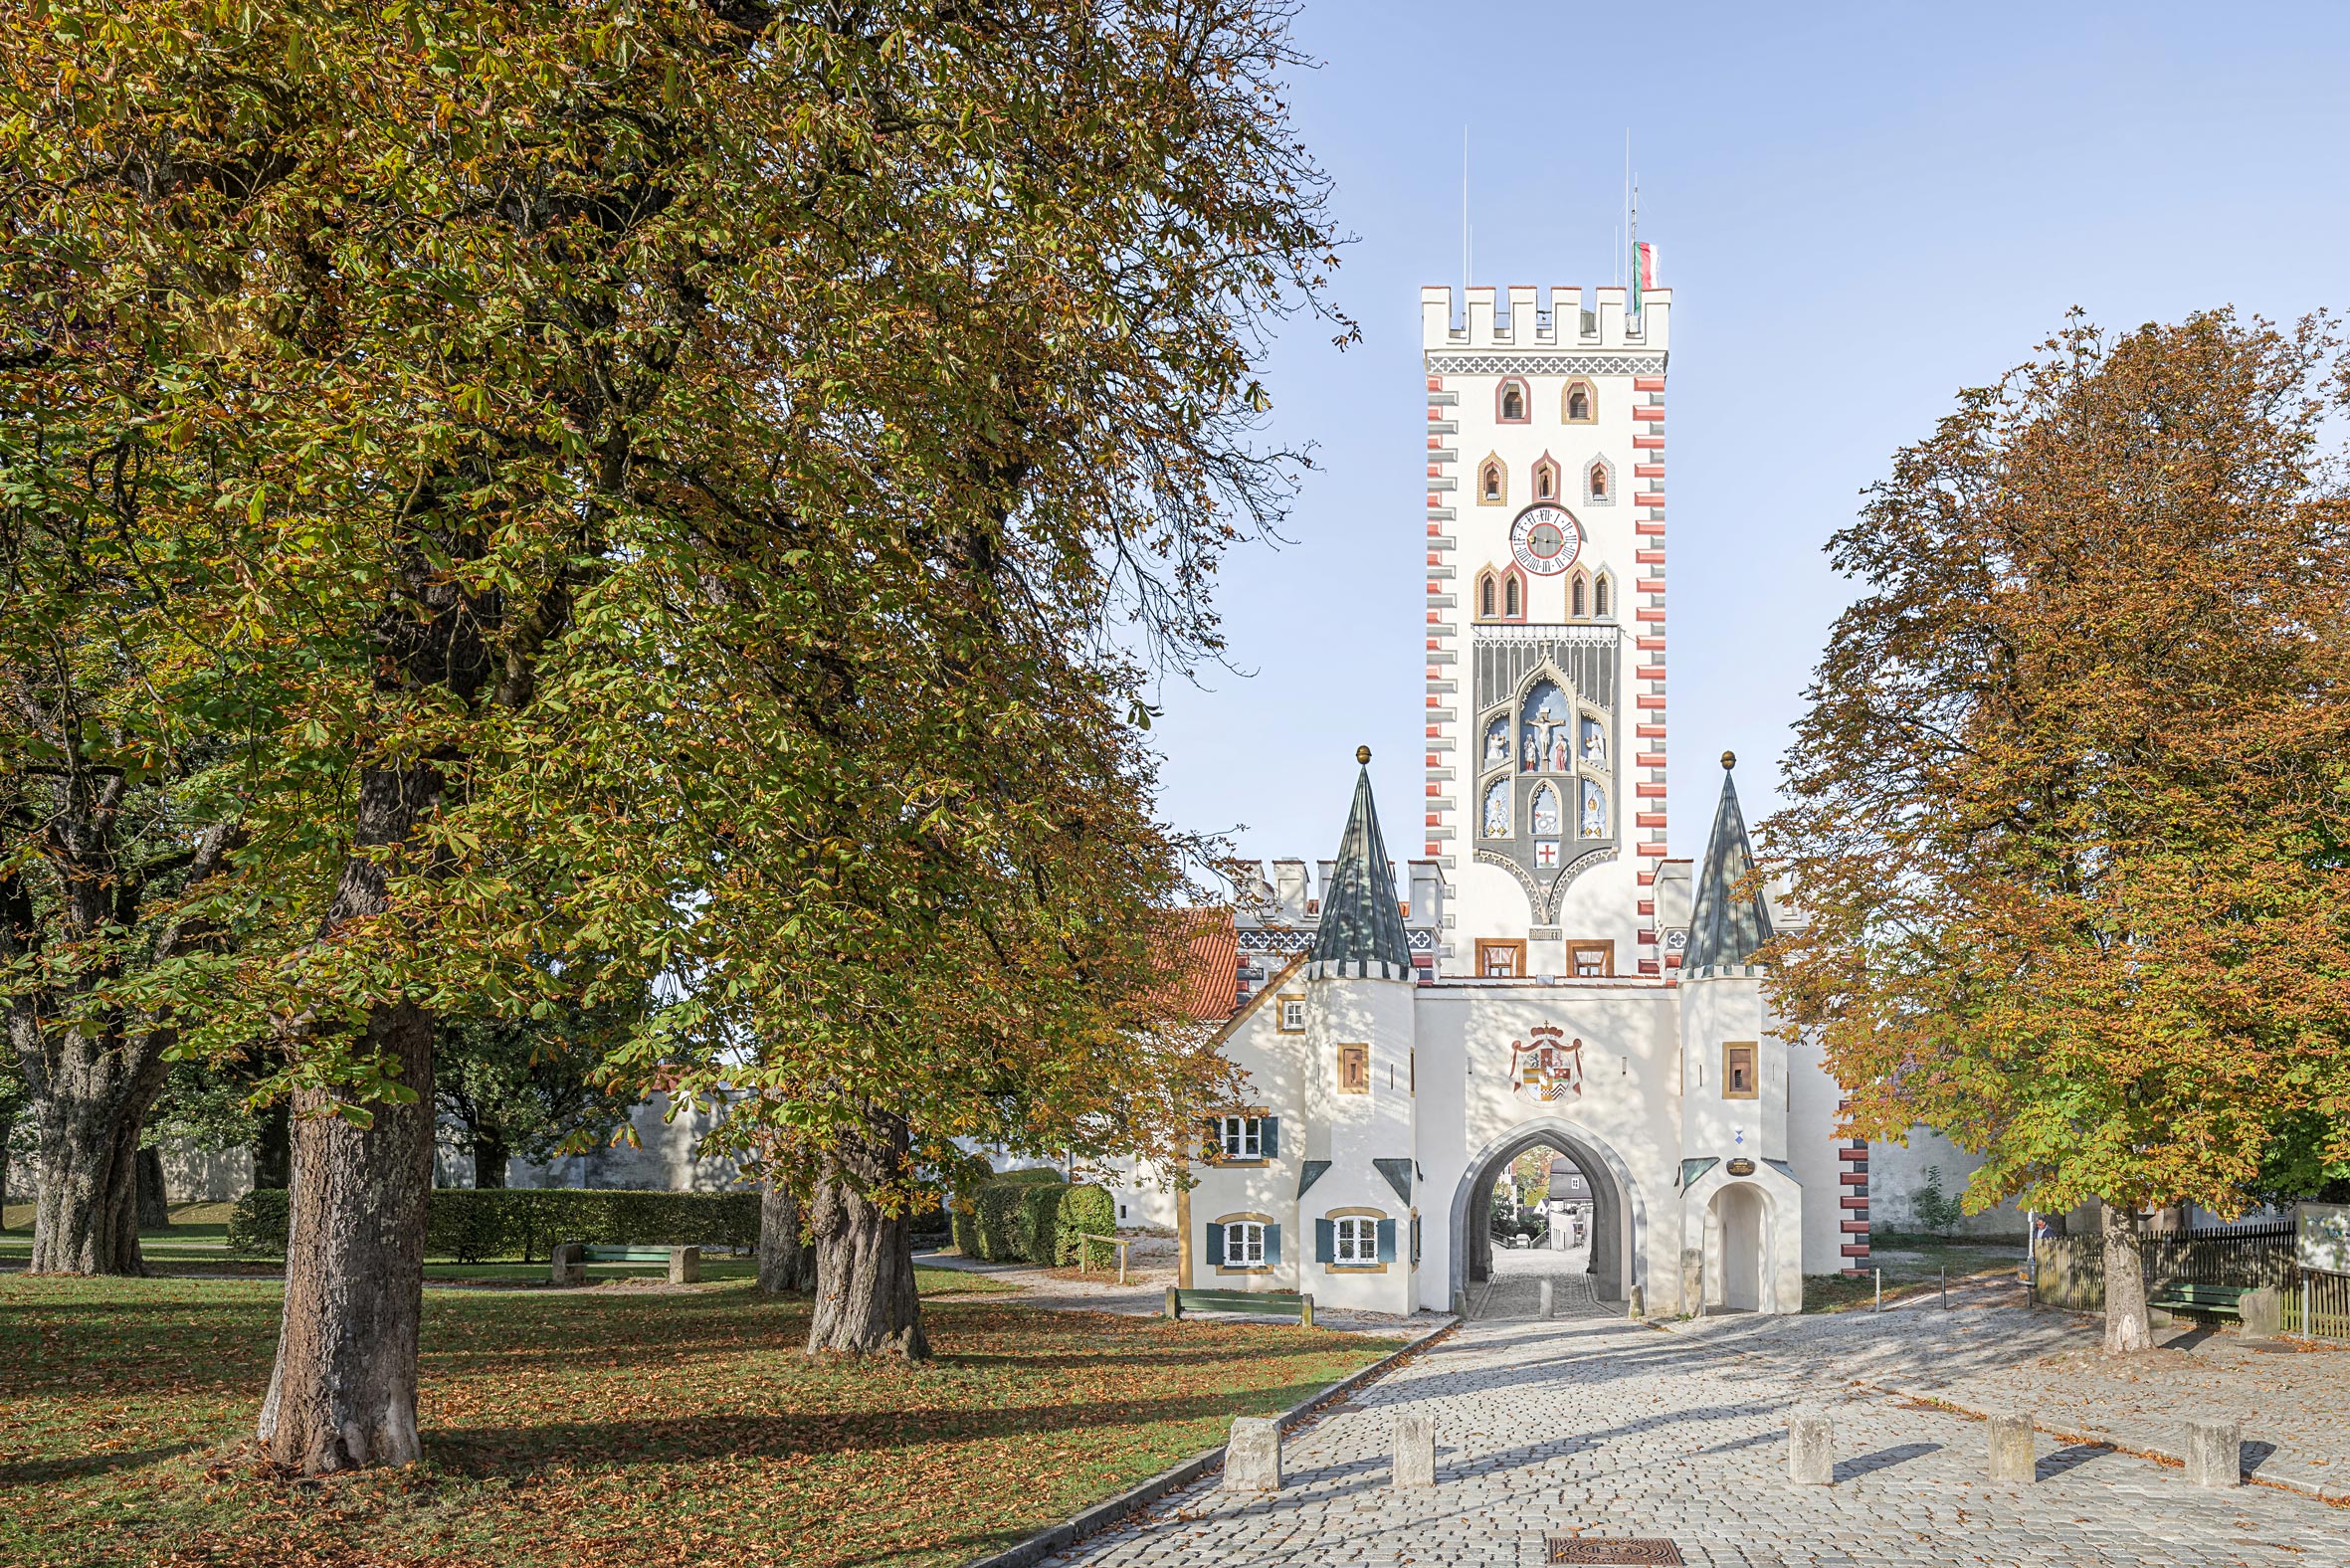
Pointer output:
x,y
1387,1241
1273,1137
1325,1241
1272,1244
1215,1246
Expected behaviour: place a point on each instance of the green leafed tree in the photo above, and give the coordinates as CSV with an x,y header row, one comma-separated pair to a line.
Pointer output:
x,y
661,494
530,1088
2067,809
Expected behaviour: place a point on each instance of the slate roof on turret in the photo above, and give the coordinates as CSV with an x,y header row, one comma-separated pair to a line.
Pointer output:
x,y
1361,936
1725,931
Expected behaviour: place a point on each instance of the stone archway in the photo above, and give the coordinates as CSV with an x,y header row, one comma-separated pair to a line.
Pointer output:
x,y
1618,1215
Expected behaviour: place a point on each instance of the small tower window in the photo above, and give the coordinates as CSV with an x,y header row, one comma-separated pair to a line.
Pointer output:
x,y
1579,406
1545,478
1493,481
1511,597
1599,598
1575,598
1485,596
1509,403
1598,480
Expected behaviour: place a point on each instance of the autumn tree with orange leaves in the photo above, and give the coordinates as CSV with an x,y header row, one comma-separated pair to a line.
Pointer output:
x,y
2070,812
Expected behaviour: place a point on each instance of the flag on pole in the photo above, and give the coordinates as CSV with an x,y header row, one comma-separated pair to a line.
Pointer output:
x,y
1643,273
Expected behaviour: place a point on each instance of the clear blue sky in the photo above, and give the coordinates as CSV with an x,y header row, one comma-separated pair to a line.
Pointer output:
x,y
1860,209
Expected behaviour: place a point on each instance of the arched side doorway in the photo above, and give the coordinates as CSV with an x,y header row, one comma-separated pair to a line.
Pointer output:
x,y
1734,1223
1619,1218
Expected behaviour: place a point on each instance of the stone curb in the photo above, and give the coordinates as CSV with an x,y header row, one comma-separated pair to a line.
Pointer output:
x,y
2337,1497
1115,1510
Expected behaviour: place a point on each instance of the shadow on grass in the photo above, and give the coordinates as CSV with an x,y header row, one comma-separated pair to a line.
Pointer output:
x,y
41,1472
489,1453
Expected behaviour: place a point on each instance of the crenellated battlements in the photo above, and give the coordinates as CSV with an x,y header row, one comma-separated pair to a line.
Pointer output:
x,y
1568,319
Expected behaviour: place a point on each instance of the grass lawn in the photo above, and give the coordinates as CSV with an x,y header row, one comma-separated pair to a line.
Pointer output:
x,y
624,1425
1912,1265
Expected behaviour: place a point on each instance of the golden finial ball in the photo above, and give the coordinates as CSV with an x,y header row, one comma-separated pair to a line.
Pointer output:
x,y
1362,754
1729,759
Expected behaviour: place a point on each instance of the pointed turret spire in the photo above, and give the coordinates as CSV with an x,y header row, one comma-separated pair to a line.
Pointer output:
x,y
1724,929
1361,936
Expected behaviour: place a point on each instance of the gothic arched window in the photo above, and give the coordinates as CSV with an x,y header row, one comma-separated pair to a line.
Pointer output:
x,y
1579,405
1485,594
1513,596
1545,478
1509,402
1599,482
1575,592
1493,482
1598,597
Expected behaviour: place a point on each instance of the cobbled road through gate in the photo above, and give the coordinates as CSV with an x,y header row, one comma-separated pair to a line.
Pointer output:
x,y
1587,1424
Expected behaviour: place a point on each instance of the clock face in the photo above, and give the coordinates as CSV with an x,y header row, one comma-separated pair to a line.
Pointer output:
x,y
1546,539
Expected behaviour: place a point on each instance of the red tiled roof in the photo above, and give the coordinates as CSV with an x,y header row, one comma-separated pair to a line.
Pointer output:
x,y
1205,985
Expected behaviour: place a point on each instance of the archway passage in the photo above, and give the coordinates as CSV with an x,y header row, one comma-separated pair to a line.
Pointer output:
x,y
1600,1199
1537,1243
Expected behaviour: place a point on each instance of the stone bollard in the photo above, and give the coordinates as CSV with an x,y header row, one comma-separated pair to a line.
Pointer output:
x,y
1253,1455
1811,1448
1542,1294
1305,1311
1174,1306
2215,1452
568,1263
2011,1458
2264,1312
684,1266
1414,1452
1635,1305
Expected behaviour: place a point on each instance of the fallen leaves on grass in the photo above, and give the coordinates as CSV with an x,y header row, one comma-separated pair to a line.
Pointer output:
x,y
561,1426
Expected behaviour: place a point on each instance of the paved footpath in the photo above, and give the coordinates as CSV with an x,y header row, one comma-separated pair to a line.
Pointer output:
x,y
1590,1424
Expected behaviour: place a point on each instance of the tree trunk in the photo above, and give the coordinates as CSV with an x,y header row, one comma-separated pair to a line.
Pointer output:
x,y
86,1220
155,1207
2125,1285
786,1263
273,1148
343,1392
490,1158
865,1258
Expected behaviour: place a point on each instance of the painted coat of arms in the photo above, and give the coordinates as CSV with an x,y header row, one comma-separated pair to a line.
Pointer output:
x,y
1551,1065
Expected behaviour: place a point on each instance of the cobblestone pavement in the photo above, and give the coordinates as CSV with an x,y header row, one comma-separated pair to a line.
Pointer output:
x,y
2293,1397
1593,1426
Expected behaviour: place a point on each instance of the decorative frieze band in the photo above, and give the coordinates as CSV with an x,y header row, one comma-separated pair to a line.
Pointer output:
x,y
1473,364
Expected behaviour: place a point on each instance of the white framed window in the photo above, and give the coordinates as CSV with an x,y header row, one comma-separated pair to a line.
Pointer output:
x,y
1243,1137
1292,1014
1357,1240
1243,1244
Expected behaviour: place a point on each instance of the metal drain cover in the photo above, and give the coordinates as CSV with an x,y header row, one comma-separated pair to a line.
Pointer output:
x,y
1612,1549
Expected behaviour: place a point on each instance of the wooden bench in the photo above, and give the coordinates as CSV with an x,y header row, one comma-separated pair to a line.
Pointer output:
x,y
570,1259
2222,1300
1265,1303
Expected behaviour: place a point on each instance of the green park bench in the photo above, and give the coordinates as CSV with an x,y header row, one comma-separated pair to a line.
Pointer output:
x,y
2222,1300
570,1259
628,1254
1265,1303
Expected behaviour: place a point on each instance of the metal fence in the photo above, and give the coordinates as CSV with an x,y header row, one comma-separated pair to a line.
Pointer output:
x,y
2069,1272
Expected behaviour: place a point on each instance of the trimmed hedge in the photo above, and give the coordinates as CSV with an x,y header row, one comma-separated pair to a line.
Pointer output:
x,y
475,1224
1032,1217
258,1222
1094,1210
